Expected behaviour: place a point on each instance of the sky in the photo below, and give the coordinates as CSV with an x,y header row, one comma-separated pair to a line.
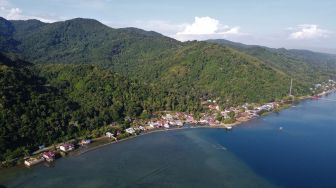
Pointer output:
x,y
302,24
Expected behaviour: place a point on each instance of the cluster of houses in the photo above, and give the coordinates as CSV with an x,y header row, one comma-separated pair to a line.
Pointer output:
x,y
50,155
179,119
240,113
324,88
166,121
170,120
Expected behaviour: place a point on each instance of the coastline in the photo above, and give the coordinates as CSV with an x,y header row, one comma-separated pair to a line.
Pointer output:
x,y
96,145
219,141
151,132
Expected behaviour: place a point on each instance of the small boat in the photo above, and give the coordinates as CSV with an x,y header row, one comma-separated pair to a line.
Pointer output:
x,y
280,128
228,128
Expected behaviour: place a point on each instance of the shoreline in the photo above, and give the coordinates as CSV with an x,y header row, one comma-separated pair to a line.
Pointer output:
x,y
152,132
81,150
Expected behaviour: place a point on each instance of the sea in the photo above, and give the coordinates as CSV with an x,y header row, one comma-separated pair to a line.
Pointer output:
x,y
292,148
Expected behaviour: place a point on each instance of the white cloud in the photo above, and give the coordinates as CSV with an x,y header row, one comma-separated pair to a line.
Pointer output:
x,y
308,31
14,14
201,26
206,28
8,11
4,3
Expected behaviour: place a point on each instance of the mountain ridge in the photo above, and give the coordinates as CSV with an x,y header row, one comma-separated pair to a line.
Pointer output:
x,y
154,58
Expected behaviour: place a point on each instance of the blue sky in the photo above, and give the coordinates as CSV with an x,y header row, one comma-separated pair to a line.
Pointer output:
x,y
307,24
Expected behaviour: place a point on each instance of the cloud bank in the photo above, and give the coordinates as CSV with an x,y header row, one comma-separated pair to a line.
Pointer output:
x,y
14,13
309,31
206,28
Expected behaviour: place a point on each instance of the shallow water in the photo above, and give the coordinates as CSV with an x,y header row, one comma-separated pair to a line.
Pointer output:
x,y
255,154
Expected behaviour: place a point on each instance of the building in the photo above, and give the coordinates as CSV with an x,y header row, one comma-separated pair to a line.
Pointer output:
x,y
166,125
190,119
130,130
109,135
167,117
67,147
49,156
33,161
213,107
153,124
85,142
179,123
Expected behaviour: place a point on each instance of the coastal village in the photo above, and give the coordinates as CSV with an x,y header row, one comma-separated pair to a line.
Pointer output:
x,y
214,117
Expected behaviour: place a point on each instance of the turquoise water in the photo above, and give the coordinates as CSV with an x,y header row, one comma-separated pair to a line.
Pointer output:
x,y
255,154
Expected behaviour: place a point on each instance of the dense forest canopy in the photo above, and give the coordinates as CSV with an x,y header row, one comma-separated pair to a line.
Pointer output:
x,y
48,103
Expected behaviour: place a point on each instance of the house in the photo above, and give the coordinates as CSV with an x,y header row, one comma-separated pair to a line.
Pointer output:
x,y
179,123
172,123
130,130
152,124
49,156
85,142
204,121
67,147
213,107
167,117
190,119
109,135
33,161
166,125
225,114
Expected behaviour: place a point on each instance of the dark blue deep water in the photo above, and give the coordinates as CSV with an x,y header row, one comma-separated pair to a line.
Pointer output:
x,y
255,154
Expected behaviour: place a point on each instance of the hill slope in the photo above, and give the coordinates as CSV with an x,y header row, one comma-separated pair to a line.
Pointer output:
x,y
234,72
215,71
85,41
48,103
303,65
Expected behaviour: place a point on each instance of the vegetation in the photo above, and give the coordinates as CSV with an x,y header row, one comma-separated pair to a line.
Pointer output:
x,y
84,75
47,104
303,66
200,68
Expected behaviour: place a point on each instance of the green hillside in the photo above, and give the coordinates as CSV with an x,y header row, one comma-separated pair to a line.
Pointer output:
x,y
48,103
198,67
303,65
215,71
85,41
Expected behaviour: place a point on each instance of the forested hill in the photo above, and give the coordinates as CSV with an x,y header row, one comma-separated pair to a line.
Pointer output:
x,y
215,71
49,103
303,65
82,41
198,67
